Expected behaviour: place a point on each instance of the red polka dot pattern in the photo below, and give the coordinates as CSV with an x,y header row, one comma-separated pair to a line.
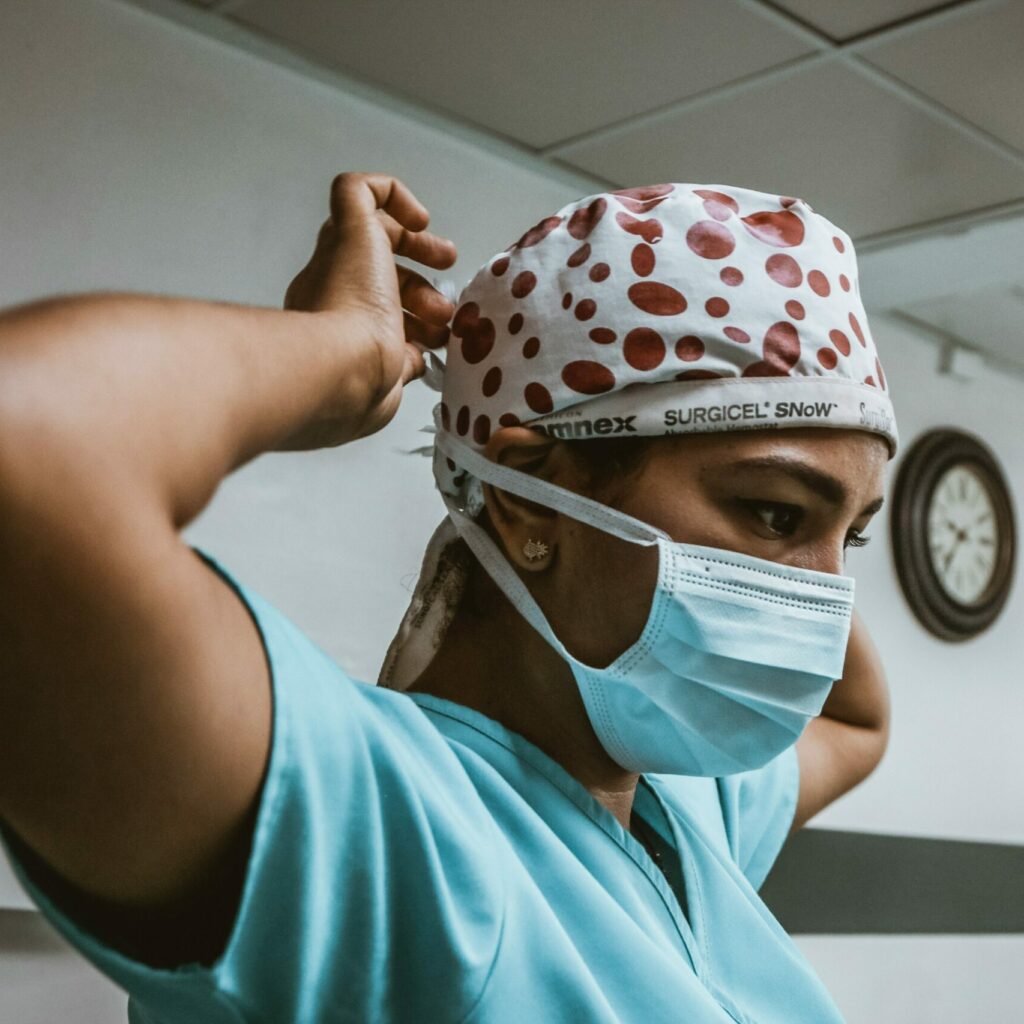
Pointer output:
x,y
819,283
538,232
736,334
855,325
476,332
643,198
689,348
643,348
582,222
538,398
580,256
649,230
642,259
784,270
697,375
782,228
492,381
523,284
781,351
840,340
710,239
677,284
717,204
481,429
657,298
588,377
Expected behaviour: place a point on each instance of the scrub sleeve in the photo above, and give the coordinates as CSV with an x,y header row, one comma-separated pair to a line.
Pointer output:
x,y
396,839
365,821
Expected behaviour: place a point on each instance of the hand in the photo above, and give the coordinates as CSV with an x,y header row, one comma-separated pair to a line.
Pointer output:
x,y
352,275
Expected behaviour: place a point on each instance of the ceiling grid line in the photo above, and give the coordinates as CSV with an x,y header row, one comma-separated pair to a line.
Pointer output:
x,y
817,115
847,53
937,110
558,157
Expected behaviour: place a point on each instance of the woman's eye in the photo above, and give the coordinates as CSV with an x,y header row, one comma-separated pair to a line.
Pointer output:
x,y
780,518
856,540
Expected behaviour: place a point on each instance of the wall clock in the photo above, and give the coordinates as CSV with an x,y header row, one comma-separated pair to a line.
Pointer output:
x,y
952,531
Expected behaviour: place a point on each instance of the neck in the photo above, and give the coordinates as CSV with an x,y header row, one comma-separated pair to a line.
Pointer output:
x,y
497,664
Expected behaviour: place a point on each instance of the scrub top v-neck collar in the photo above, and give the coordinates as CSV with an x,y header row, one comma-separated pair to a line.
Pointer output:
x,y
647,802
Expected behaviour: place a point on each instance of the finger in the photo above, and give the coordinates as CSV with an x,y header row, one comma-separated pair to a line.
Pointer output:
x,y
415,365
362,193
419,296
428,335
355,196
422,246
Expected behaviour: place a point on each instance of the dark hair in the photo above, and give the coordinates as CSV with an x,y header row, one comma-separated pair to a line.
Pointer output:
x,y
609,461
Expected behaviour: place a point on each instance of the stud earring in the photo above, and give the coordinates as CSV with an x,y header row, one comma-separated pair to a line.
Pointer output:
x,y
534,549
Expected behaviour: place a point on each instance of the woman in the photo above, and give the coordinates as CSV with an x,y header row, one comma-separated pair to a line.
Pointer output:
x,y
598,753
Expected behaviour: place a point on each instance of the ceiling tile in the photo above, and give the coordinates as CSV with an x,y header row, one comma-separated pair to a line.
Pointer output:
x,y
533,70
841,19
973,65
990,319
860,156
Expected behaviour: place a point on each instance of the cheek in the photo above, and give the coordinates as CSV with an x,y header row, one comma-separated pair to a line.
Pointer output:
x,y
608,595
692,521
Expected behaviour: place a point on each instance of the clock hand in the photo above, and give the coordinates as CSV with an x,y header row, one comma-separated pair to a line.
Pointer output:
x,y
949,557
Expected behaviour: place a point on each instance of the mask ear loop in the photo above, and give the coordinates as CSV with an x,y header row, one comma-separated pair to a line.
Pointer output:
x,y
551,495
491,558
576,506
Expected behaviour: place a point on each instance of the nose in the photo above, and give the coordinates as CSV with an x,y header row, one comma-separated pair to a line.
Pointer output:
x,y
828,556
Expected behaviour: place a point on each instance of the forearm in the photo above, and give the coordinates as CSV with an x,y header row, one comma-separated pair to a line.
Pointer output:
x,y
861,696
162,398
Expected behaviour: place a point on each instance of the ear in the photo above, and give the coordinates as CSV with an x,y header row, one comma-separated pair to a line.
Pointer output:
x,y
516,520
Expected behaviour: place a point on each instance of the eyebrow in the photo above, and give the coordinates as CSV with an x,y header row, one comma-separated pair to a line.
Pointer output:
x,y
829,487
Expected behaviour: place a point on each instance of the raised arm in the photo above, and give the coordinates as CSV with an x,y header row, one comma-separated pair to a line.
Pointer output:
x,y
134,695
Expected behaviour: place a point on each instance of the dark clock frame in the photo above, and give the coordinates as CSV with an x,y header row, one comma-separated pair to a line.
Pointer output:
x,y
931,455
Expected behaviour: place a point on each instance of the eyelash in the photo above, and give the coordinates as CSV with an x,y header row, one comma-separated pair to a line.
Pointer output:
x,y
853,539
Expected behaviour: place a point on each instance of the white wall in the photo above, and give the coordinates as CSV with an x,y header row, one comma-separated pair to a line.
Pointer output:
x,y
955,763
138,155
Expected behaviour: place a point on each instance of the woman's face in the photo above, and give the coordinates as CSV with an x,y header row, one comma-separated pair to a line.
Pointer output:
x,y
799,496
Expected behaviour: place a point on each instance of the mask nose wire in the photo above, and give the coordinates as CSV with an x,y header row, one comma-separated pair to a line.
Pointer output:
x,y
569,503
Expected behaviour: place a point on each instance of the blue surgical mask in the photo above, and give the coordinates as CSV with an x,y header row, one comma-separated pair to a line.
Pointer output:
x,y
737,655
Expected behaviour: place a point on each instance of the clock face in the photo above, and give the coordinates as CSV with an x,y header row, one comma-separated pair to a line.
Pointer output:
x,y
962,534
953,535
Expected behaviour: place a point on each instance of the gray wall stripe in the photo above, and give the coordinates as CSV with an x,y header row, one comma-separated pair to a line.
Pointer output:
x,y
840,883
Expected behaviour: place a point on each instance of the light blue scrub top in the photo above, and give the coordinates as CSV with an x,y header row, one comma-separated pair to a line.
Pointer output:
x,y
415,861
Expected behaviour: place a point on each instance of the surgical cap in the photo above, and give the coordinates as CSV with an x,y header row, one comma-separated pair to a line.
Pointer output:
x,y
650,311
